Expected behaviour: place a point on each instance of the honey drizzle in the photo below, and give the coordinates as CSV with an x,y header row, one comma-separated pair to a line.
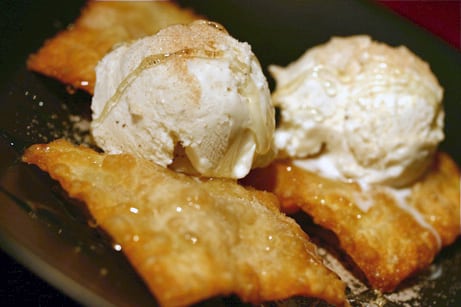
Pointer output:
x,y
146,63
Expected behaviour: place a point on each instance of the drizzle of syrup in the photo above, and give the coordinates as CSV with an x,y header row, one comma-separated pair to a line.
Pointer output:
x,y
149,62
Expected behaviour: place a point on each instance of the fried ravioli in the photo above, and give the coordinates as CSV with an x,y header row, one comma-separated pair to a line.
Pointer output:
x,y
389,238
71,56
190,238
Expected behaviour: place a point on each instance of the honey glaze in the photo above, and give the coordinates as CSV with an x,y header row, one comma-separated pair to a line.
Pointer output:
x,y
149,62
260,125
329,80
363,198
402,198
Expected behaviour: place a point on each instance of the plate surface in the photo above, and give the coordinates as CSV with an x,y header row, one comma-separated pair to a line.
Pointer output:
x,y
51,235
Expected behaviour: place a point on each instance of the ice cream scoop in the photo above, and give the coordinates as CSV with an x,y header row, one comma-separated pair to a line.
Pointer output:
x,y
190,97
356,109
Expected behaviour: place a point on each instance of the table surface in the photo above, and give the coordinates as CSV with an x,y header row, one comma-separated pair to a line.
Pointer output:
x,y
442,18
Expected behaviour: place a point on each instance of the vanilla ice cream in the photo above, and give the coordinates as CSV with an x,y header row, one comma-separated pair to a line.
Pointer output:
x,y
190,97
355,109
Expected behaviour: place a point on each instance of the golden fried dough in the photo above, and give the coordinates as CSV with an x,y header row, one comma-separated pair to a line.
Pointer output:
x,y
386,242
189,238
71,56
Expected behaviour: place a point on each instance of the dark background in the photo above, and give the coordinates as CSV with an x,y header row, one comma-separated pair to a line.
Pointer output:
x,y
20,286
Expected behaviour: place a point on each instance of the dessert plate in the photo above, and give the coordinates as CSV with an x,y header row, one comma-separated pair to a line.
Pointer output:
x,y
51,235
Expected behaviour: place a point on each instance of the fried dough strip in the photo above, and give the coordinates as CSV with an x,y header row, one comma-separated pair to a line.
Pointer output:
x,y
191,239
437,198
71,56
387,243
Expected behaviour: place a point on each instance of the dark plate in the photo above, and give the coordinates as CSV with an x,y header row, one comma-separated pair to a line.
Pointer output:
x,y
50,234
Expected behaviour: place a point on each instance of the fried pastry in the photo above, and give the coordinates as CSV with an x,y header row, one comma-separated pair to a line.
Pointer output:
x,y
389,236
191,238
71,56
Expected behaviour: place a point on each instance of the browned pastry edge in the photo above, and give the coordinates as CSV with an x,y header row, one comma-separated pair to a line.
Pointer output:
x,y
72,55
385,242
223,239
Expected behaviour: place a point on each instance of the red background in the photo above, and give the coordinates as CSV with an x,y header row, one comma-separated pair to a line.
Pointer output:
x,y
442,18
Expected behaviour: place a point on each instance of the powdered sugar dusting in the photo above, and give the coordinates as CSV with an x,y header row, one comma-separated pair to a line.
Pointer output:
x,y
360,294
50,121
